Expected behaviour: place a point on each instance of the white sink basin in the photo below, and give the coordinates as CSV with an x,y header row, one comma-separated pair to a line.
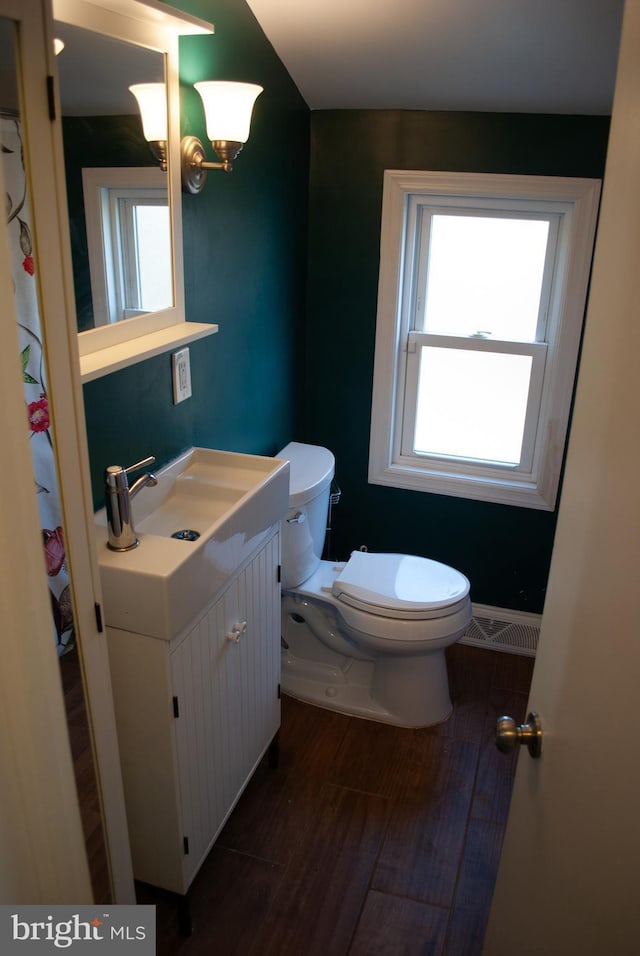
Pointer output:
x,y
231,501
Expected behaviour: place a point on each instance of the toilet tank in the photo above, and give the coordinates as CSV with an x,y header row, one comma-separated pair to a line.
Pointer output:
x,y
311,469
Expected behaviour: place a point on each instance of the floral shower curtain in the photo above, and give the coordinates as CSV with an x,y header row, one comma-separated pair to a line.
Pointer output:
x,y
24,269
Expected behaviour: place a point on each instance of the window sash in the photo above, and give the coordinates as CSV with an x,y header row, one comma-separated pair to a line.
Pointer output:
x,y
122,206
416,341
419,219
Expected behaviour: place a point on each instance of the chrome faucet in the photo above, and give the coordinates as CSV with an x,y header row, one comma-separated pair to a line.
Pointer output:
x,y
118,497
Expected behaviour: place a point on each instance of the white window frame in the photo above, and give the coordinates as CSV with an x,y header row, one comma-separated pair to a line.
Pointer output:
x,y
572,207
125,243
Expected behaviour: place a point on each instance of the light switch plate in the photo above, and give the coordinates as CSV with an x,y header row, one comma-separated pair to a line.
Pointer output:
x,y
181,376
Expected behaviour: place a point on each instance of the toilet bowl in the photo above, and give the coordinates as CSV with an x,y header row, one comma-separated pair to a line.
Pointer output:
x,y
367,637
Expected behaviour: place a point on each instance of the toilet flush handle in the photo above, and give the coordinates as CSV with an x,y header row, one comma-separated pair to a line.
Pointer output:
x,y
298,518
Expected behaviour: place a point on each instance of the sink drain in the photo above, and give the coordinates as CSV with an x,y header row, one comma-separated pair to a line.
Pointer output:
x,y
186,535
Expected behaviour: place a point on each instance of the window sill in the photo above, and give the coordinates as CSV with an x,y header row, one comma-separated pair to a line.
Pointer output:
x,y
115,357
522,494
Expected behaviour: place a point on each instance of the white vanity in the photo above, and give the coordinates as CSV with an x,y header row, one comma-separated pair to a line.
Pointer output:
x,y
194,645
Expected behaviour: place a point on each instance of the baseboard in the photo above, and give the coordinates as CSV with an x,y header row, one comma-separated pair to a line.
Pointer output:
x,y
500,629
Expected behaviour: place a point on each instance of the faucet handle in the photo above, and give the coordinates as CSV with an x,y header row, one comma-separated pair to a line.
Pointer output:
x,y
140,464
115,476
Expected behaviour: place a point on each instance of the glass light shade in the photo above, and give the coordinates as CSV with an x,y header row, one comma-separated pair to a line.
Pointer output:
x,y
58,45
227,109
152,101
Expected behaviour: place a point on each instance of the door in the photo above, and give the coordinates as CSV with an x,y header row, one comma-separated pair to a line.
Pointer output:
x,y
225,676
568,879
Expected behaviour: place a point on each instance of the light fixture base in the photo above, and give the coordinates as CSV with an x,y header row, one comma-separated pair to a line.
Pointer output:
x,y
227,150
158,148
194,176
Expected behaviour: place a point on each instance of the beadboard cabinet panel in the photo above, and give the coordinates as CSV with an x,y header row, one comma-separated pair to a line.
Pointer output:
x,y
195,716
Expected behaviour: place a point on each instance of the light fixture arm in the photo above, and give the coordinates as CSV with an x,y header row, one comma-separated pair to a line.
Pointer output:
x,y
195,166
226,166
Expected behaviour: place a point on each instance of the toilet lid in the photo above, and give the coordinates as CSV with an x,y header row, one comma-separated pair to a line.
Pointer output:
x,y
400,584
311,469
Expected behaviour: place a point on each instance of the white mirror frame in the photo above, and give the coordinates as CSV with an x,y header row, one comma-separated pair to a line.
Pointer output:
x,y
156,26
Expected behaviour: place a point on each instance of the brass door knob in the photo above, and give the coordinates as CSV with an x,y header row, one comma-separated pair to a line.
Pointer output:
x,y
236,631
509,735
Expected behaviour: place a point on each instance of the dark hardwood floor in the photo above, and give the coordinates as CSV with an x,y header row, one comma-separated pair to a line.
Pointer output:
x,y
367,840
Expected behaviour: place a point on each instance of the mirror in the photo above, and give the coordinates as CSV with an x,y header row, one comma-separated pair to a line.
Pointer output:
x,y
119,221
138,41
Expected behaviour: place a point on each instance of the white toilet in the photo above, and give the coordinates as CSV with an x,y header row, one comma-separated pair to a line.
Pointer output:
x,y
367,637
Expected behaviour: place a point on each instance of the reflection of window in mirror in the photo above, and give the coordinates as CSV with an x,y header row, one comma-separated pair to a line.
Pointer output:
x,y
128,240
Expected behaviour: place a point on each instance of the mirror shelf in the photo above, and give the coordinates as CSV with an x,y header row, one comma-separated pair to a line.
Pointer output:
x,y
115,357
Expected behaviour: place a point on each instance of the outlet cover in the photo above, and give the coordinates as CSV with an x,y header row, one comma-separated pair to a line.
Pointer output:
x,y
181,376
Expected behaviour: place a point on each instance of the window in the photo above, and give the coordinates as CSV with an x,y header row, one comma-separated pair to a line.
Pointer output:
x,y
129,242
482,291
140,229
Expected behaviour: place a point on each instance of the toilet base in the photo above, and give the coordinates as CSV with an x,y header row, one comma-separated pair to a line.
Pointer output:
x,y
346,686
416,687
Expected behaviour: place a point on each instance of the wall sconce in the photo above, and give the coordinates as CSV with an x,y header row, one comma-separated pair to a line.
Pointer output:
x,y
228,108
152,101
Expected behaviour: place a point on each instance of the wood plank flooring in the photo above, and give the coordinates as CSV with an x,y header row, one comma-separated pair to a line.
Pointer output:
x,y
368,840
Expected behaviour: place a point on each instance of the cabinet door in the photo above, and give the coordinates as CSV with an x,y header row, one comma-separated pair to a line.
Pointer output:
x,y
228,700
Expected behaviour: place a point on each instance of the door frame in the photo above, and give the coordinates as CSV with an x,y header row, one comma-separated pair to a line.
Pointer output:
x,y
32,664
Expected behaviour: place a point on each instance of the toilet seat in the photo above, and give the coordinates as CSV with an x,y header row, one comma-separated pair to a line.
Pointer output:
x,y
400,586
377,629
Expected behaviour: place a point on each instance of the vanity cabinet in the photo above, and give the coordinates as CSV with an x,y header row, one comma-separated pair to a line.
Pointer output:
x,y
195,714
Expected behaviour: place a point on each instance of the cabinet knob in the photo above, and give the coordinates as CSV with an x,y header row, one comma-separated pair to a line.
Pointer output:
x,y
234,634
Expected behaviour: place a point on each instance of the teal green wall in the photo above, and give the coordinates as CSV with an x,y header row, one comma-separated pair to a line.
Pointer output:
x,y
505,551
245,269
